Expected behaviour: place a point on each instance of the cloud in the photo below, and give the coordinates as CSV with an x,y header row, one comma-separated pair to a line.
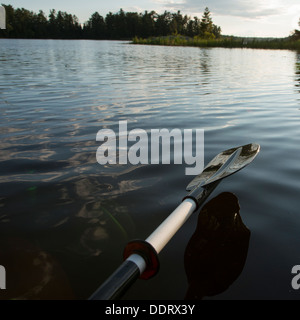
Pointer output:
x,y
253,9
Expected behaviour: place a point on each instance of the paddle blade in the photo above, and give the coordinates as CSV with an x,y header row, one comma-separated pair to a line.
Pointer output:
x,y
225,164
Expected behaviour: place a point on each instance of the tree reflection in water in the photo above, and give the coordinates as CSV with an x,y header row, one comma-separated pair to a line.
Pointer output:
x,y
297,71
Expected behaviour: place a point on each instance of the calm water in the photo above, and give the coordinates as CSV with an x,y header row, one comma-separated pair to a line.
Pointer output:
x,y
65,219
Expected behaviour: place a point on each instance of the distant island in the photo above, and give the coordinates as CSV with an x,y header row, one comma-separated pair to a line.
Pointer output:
x,y
223,42
151,28
206,34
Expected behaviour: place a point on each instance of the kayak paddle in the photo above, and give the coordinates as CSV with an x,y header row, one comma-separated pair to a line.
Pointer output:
x,y
141,257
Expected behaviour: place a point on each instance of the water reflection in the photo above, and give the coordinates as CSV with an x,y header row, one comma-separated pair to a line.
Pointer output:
x,y
32,273
205,60
216,253
205,67
297,71
56,95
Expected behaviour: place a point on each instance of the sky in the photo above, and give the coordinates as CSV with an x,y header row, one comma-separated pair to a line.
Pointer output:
x,y
248,18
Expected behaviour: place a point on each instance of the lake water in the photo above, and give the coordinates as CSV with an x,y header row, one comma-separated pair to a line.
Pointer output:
x,y
65,219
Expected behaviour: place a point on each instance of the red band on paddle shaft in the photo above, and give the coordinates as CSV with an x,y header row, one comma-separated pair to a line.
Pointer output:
x,y
147,252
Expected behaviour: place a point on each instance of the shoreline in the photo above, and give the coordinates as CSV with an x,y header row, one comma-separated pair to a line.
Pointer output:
x,y
230,42
182,41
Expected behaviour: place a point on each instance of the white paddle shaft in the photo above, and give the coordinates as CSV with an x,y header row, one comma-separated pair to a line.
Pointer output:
x,y
164,233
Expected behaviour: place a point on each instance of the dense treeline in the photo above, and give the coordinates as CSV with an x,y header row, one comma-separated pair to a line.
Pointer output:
x,y
22,23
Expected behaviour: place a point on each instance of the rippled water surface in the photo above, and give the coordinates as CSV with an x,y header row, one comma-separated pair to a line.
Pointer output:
x,y
66,219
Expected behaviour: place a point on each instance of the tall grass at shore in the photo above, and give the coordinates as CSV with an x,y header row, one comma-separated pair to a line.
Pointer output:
x,y
226,42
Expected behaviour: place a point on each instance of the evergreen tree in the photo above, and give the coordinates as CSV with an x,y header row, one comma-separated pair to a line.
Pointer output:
x,y
121,25
134,24
40,24
206,25
217,31
296,34
110,22
179,23
95,28
197,27
162,25
148,24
